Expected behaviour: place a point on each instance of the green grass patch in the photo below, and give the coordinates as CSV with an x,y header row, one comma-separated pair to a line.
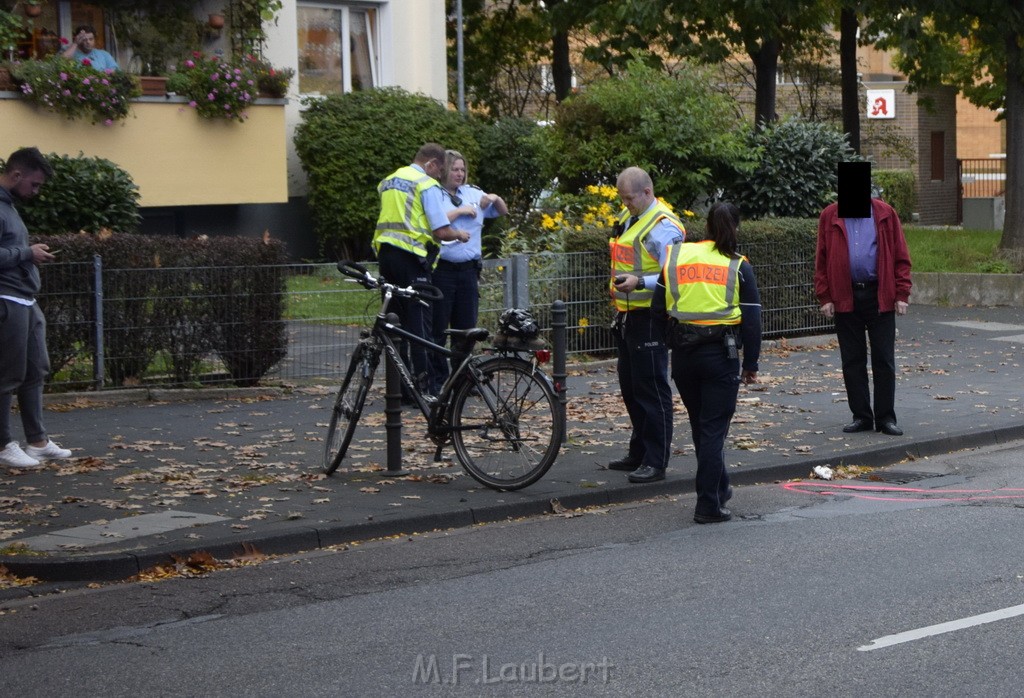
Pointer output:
x,y
325,295
964,251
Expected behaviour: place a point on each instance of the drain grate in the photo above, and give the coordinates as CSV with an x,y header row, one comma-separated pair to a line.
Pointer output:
x,y
895,477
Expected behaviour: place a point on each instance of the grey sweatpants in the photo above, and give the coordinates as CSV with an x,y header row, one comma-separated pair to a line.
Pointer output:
x,y
24,365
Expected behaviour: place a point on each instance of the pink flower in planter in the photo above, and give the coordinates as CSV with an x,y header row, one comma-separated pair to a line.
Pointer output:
x,y
86,61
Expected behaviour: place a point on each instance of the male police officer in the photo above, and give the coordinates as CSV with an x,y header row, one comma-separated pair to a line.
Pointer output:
x,y
411,223
645,230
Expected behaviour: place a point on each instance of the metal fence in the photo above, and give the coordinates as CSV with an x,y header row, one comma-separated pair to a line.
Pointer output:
x,y
163,327
982,177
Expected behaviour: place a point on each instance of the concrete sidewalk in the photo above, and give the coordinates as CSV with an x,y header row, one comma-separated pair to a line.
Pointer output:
x,y
240,471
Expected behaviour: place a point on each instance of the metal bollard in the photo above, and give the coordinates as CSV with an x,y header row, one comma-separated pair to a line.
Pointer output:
x,y
393,413
559,375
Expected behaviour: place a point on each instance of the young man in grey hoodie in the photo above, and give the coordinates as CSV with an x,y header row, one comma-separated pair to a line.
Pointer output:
x,y
24,363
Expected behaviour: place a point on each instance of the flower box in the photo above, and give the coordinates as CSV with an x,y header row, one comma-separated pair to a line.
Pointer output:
x,y
153,85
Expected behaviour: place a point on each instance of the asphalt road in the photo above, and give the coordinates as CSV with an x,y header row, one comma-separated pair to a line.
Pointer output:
x,y
874,586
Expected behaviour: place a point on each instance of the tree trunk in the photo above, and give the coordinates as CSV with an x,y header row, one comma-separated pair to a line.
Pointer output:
x,y
766,65
1013,226
561,68
848,70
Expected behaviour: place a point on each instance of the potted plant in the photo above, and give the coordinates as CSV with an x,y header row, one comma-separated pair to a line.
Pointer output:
x,y
216,88
158,34
272,82
33,8
12,30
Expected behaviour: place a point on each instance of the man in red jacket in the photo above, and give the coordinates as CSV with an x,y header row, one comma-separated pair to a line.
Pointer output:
x,y
862,279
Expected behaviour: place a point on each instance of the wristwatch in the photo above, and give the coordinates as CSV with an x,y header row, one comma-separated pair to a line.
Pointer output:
x,y
640,283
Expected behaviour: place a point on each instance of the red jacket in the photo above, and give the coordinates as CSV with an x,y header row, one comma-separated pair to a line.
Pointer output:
x,y
832,283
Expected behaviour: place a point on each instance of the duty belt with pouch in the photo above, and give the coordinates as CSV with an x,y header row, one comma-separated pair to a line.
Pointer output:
x,y
682,335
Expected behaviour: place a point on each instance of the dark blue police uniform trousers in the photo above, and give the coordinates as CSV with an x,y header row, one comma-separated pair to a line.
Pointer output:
x,y
459,283
403,269
853,352
708,382
643,379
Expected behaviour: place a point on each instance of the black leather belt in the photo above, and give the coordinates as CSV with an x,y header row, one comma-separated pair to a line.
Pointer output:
x,y
458,266
866,284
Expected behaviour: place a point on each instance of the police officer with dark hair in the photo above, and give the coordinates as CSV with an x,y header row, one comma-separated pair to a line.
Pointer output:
x,y
412,222
646,228
710,295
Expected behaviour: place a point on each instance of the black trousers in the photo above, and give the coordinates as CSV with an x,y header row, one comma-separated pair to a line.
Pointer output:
x,y
854,331
643,379
708,382
403,269
458,309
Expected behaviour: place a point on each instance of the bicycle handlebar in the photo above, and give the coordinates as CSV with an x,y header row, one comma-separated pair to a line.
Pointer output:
x,y
367,280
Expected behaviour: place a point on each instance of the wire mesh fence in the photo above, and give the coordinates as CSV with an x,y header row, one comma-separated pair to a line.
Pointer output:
x,y
208,325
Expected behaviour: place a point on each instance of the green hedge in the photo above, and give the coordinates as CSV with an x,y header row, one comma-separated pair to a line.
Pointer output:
x,y
897,191
84,193
168,305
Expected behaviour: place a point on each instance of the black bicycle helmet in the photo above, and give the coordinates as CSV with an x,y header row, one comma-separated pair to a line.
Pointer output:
x,y
517,330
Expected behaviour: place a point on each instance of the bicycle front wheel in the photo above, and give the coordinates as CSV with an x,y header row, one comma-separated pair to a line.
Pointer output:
x,y
348,406
505,429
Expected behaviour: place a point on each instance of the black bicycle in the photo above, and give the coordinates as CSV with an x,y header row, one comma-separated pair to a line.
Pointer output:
x,y
499,412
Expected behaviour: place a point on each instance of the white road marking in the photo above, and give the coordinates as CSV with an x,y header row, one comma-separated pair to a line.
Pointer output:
x,y
982,325
948,627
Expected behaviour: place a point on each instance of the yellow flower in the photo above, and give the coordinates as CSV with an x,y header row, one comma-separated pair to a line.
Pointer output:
x,y
584,324
689,214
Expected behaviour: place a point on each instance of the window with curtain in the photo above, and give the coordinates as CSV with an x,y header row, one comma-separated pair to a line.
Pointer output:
x,y
337,48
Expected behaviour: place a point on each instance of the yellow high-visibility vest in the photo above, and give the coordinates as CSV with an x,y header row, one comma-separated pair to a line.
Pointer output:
x,y
629,256
702,284
402,221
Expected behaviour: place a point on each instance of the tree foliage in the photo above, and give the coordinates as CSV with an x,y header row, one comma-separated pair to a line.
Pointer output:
x,y
348,143
975,45
679,128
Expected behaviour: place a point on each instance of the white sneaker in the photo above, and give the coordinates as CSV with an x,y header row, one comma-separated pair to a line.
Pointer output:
x,y
14,457
50,450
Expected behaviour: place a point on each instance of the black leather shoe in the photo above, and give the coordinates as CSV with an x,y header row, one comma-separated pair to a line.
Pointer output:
x,y
890,429
646,474
858,425
628,464
723,515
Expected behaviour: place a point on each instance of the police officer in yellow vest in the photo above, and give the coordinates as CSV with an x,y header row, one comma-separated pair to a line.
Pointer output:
x,y
412,222
645,229
714,310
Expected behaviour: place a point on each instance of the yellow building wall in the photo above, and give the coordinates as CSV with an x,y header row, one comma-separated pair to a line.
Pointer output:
x,y
175,157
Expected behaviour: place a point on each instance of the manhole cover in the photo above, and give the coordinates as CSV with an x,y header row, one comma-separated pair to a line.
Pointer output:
x,y
895,477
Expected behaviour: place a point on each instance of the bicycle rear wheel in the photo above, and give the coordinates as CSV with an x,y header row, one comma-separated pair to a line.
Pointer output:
x,y
506,429
348,406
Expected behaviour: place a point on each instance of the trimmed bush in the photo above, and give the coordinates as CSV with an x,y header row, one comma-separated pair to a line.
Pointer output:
x,y
679,128
897,191
510,162
348,143
796,170
182,300
85,193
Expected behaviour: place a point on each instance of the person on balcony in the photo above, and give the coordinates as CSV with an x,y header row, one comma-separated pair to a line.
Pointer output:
x,y
24,362
83,49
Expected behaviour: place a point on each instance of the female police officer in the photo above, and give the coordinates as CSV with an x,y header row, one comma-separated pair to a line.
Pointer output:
x,y
714,309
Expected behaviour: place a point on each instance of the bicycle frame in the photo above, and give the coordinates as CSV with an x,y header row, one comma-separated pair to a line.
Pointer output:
x,y
386,331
